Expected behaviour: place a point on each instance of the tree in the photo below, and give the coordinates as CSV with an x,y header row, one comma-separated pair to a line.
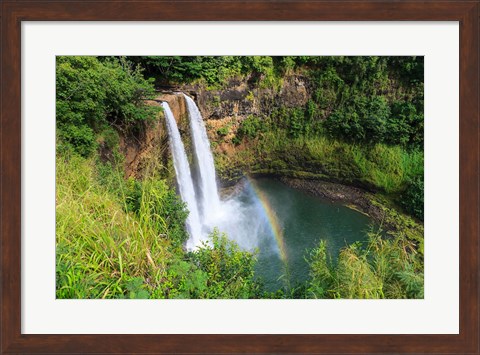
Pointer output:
x,y
93,92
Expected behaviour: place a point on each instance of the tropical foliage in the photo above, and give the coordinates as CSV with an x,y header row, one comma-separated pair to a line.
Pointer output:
x,y
123,238
95,94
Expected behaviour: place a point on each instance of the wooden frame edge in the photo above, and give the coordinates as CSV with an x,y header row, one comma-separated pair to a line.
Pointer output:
x,y
14,12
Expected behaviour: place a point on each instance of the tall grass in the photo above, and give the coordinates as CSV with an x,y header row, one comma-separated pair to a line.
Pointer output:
x,y
383,268
101,248
119,238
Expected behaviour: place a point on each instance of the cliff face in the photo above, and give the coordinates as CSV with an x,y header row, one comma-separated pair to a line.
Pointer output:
x,y
222,109
147,146
240,99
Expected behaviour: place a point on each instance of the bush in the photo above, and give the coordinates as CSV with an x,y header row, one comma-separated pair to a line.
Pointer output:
x,y
222,132
361,121
81,137
250,127
375,120
230,270
405,126
413,197
92,93
345,125
159,206
321,278
186,69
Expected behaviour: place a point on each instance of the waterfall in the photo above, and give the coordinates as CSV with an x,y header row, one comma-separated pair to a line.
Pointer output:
x,y
184,179
210,201
201,196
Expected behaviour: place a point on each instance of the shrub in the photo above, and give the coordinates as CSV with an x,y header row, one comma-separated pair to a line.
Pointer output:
x,y
413,197
362,120
250,127
321,278
92,92
230,270
375,120
159,207
222,132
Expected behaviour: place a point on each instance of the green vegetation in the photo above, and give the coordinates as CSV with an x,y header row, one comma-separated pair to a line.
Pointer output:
x,y
360,124
223,131
96,94
229,270
413,197
379,167
384,268
100,247
214,71
118,238
123,239
250,127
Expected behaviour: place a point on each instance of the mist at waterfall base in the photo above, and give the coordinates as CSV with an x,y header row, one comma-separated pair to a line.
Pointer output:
x,y
263,215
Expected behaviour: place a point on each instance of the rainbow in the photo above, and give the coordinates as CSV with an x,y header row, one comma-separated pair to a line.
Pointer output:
x,y
271,217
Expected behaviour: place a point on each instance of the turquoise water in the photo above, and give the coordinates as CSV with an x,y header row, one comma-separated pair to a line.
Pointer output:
x,y
303,220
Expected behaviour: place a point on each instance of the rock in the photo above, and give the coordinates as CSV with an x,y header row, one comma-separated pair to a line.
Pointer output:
x,y
148,144
294,92
241,98
143,147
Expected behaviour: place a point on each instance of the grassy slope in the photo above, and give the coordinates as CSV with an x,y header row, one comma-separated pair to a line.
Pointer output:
x,y
103,251
100,247
379,167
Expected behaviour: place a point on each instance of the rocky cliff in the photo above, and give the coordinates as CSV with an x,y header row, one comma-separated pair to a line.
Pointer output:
x,y
222,109
146,146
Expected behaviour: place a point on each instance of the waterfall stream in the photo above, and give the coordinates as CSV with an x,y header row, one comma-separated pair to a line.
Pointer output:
x,y
232,216
184,178
210,201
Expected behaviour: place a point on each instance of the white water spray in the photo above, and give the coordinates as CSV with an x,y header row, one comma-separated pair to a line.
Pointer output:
x,y
239,219
210,201
184,179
